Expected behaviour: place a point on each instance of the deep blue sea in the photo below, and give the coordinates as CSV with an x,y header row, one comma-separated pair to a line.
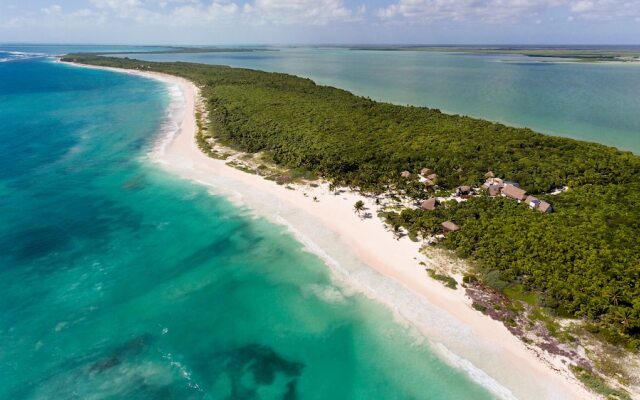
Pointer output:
x,y
121,281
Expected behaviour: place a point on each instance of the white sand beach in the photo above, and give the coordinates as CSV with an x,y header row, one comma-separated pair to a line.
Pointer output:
x,y
363,254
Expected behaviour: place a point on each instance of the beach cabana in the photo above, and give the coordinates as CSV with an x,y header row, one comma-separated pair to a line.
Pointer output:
x,y
429,204
449,226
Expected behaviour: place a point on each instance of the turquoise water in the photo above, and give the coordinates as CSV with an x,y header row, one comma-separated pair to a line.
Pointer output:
x,y
119,281
594,102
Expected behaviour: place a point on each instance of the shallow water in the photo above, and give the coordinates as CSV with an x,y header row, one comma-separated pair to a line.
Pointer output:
x,y
118,280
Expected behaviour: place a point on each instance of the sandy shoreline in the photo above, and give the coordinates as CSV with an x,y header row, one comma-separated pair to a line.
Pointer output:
x,y
366,255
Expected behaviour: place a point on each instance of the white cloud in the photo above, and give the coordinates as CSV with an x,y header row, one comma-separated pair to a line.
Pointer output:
x,y
198,13
52,10
606,9
201,12
459,10
504,10
316,12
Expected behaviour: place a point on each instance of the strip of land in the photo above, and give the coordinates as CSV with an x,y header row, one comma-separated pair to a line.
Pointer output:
x,y
195,50
575,54
541,164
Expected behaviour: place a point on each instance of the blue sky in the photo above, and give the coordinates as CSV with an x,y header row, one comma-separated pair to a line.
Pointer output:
x,y
321,21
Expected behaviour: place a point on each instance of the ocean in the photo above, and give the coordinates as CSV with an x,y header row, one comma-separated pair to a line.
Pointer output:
x,y
119,280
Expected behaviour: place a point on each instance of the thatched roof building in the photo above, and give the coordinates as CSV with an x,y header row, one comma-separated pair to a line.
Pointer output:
x,y
463,191
429,204
493,181
545,207
514,192
494,190
449,226
532,201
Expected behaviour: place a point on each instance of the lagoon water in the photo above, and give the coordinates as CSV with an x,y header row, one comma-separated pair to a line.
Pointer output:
x,y
594,102
120,281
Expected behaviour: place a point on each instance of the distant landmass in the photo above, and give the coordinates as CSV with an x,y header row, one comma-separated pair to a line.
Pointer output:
x,y
579,53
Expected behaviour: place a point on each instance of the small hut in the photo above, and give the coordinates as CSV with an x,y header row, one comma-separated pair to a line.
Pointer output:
x,y
532,201
429,204
493,181
425,171
432,177
545,207
489,175
514,192
494,190
405,174
449,226
463,191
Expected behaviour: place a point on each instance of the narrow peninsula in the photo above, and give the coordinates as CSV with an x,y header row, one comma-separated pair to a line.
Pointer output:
x,y
543,232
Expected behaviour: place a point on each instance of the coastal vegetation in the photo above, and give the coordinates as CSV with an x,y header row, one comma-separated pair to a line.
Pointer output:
x,y
359,207
193,50
581,262
445,279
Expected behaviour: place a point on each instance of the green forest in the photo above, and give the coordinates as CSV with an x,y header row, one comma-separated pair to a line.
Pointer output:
x,y
582,261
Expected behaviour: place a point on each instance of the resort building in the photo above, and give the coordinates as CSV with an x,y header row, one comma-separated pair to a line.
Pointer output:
x,y
532,201
494,190
405,174
425,171
490,175
514,192
512,183
545,207
449,226
493,181
429,204
463,191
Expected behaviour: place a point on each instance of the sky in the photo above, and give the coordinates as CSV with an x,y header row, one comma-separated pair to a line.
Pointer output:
x,y
219,22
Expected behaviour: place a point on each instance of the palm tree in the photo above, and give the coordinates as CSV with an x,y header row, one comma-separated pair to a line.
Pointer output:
x,y
358,207
425,232
397,230
613,294
623,316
